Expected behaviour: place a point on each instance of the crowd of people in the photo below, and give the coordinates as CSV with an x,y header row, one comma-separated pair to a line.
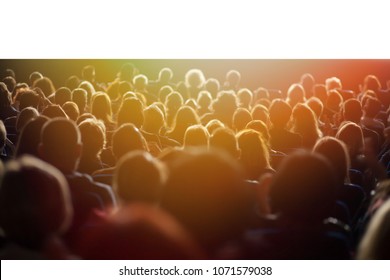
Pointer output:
x,y
198,168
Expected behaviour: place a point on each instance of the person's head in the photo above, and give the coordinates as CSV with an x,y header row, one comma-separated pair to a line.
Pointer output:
x,y
153,119
5,96
321,93
61,144
24,116
372,107
295,94
351,134
337,154
54,111
185,117
352,111
72,82
254,153
71,110
126,72
196,135
165,75
93,137
46,85
131,111
212,85
305,121
316,106
245,97
3,136
34,76
233,78
304,188
9,72
28,98
334,101
140,82
212,125
205,193
224,139
307,81
34,202
333,83
241,118
127,138
88,87
374,245
10,83
139,177
29,137
260,127
62,95
371,82
225,105
164,92
101,107
88,73
204,99
174,101
139,231
79,96
194,78
279,113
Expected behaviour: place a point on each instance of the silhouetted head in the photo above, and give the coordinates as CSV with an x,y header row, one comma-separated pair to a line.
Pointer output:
x,y
352,110
34,202
101,107
351,134
131,111
165,75
279,113
71,110
139,177
24,116
196,135
79,96
127,138
205,193
153,119
337,154
224,139
92,137
241,118
62,95
61,144
88,73
304,188
46,85
34,76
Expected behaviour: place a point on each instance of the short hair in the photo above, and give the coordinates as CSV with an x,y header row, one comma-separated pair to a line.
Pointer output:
x,y
35,76
279,112
372,107
205,193
10,82
260,112
194,78
140,80
241,118
295,193
92,137
28,98
25,115
196,135
352,110
165,74
334,100
71,110
59,139
245,97
164,92
233,77
316,105
30,136
62,95
204,99
54,111
351,134
88,72
212,125
79,96
296,94
333,83
212,85
34,202
127,138
139,177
